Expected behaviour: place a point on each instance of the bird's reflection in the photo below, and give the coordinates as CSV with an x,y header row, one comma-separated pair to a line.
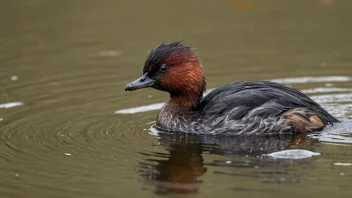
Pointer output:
x,y
180,171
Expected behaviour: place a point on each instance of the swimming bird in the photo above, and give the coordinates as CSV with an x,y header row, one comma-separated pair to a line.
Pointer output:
x,y
238,108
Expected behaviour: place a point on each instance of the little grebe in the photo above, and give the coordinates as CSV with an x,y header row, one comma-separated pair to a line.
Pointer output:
x,y
239,108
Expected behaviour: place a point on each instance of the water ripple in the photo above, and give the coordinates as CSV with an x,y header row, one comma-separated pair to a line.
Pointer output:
x,y
66,142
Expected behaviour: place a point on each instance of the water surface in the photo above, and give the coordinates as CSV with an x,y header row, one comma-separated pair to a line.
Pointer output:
x,y
68,129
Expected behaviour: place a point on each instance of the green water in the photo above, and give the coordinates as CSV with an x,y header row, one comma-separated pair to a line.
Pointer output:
x,y
66,63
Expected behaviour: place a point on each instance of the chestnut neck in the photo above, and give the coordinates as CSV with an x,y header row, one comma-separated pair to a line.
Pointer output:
x,y
183,102
186,101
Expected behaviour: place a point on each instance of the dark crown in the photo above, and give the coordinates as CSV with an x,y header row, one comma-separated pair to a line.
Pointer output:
x,y
157,56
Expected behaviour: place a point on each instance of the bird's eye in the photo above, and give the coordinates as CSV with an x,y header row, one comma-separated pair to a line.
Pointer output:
x,y
163,68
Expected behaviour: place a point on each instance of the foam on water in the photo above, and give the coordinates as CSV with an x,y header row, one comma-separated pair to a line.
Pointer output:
x,y
301,80
291,154
326,90
342,164
332,98
10,105
140,109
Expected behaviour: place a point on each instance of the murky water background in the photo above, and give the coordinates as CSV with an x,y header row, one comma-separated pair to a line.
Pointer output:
x,y
64,65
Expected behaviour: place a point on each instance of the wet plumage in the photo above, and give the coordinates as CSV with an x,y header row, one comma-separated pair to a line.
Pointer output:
x,y
245,108
239,108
